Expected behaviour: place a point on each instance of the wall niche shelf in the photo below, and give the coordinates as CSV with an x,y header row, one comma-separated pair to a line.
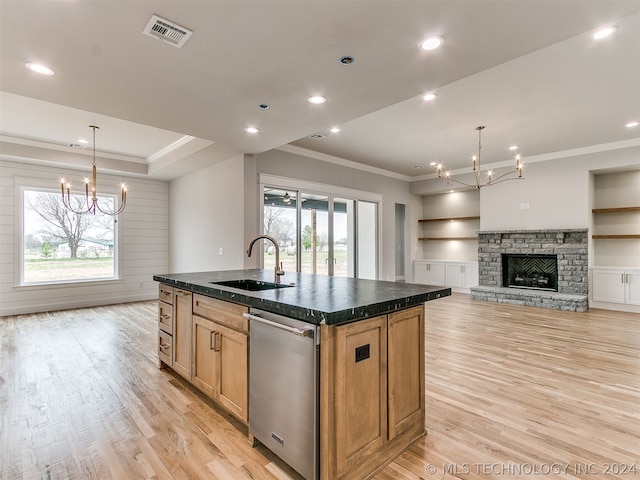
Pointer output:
x,y
448,238
447,219
603,237
615,210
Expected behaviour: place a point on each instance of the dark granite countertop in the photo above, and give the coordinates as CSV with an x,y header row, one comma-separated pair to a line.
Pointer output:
x,y
317,299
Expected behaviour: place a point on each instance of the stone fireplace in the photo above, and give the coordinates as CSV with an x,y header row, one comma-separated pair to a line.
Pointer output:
x,y
542,268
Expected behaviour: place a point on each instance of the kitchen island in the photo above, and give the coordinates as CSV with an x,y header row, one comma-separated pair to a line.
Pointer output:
x,y
371,353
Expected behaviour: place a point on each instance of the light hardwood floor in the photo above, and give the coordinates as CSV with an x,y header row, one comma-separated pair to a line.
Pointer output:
x,y
512,392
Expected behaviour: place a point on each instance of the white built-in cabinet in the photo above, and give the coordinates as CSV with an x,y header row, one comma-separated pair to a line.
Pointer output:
x,y
460,276
613,285
429,273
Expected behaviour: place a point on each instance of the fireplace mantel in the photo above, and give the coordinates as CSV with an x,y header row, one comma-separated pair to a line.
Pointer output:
x,y
571,248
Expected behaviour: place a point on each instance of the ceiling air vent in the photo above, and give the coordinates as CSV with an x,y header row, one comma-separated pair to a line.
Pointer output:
x,y
168,31
317,136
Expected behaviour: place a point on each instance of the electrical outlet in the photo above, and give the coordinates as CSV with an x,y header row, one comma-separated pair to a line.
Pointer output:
x,y
220,251
524,206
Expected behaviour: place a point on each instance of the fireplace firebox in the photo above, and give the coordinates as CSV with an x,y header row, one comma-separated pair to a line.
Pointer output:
x,y
531,271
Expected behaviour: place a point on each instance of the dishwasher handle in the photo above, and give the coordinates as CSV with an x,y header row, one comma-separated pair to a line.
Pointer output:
x,y
301,332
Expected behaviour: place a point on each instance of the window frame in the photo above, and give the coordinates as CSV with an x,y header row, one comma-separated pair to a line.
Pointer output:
x,y
44,186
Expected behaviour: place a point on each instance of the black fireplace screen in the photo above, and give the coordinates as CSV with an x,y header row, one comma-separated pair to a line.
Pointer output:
x,y
538,272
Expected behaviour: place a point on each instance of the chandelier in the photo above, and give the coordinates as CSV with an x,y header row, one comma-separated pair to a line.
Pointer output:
x,y
476,169
91,205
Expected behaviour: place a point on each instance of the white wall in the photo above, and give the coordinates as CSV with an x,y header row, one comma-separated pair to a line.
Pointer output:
x,y
206,214
143,247
558,193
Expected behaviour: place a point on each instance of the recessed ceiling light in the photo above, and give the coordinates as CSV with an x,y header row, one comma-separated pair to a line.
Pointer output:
x,y
263,106
417,167
39,68
335,130
316,99
251,130
429,97
83,141
632,124
433,164
603,32
347,60
431,43
513,147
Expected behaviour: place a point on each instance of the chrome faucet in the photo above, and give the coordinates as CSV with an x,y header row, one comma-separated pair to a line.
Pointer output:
x,y
278,269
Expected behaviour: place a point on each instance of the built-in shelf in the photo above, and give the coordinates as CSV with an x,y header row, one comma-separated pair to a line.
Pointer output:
x,y
616,210
448,238
448,219
601,237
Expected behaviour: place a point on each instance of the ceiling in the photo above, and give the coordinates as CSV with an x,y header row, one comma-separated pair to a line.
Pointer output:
x,y
528,70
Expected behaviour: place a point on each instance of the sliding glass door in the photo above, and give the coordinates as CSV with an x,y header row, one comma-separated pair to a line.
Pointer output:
x,y
321,233
314,214
280,222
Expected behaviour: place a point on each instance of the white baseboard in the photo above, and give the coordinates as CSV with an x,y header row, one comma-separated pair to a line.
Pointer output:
x,y
67,305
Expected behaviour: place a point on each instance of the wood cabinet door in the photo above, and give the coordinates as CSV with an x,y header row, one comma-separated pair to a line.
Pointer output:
x,y
233,381
405,351
182,332
205,365
360,401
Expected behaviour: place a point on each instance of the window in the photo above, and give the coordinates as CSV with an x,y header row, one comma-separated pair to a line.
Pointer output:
x,y
60,246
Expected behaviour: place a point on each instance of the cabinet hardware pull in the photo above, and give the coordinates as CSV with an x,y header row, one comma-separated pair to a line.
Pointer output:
x,y
622,278
164,346
296,331
165,316
212,342
217,343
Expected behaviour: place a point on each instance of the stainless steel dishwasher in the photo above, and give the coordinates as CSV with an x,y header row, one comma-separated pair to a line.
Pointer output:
x,y
283,388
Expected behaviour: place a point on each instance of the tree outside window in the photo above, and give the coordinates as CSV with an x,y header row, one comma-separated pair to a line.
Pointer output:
x,y
60,245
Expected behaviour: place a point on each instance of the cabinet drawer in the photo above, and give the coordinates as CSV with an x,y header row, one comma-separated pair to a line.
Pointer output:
x,y
221,311
165,293
165,317
165,347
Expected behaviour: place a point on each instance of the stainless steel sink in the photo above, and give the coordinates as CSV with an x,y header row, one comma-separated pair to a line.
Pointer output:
x,y
250,284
